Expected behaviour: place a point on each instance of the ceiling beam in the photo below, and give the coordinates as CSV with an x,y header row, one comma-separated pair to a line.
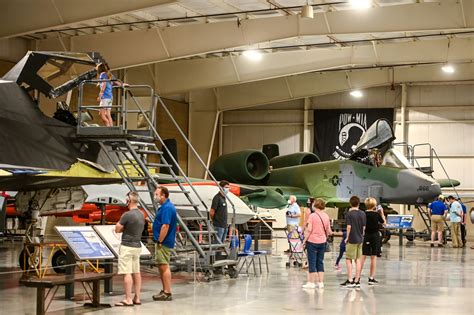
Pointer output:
x,y
316,84
20,17
132,48
180,76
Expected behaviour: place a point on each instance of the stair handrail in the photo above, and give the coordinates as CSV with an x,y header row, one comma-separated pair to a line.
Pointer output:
x,y
430,154
445,172
194,152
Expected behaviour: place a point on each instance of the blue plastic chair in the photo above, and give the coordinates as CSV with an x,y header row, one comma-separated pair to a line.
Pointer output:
x,y
246,257
259,254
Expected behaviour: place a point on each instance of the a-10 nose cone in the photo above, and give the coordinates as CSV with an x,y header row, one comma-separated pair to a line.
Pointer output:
x,y
434,190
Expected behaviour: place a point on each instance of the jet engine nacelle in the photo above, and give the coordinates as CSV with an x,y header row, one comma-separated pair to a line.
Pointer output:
x,y
246,167
294,159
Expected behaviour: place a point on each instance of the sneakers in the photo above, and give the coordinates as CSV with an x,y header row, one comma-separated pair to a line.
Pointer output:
x,y
163,296
309,285
372,281
320,285
356,284
347,284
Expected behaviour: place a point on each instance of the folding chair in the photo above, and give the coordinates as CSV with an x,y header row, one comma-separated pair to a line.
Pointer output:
x,y
246,256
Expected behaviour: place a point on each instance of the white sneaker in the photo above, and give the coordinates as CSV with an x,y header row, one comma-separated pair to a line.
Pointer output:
x,y
309,285
320,285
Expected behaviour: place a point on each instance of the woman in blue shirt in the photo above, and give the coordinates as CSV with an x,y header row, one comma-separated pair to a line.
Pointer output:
x,y
105,94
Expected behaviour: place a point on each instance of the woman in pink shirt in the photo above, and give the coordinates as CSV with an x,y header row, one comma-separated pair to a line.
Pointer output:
x,y
318,229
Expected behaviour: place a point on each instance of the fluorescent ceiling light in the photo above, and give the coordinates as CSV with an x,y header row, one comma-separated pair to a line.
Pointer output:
x,y
253,55
356,93
360,4
448,69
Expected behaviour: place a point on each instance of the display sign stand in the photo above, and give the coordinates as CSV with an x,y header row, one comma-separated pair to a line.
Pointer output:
x,y
400,237
108,283
71,262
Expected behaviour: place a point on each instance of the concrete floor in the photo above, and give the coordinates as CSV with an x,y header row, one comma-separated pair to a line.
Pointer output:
x,y
414,280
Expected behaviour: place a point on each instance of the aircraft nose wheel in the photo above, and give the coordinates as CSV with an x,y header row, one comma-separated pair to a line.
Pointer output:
x,y
27,262
208,275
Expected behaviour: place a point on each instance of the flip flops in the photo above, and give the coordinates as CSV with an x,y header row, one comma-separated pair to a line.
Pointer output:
x,y
123,303
137,303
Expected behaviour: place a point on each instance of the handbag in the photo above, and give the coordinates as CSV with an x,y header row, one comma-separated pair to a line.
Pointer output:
x,y
327,247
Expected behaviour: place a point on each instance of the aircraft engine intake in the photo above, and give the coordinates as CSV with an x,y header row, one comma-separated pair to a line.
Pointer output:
x,y
246,167
294,159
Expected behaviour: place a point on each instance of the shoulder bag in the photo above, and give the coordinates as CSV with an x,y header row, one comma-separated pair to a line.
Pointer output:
x,y
327,246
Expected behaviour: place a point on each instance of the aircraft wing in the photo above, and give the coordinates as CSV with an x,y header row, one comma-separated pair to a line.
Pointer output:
x,y
23,179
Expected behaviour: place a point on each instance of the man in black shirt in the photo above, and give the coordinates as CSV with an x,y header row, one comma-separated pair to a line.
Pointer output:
x,y
372,239
355,220
218,211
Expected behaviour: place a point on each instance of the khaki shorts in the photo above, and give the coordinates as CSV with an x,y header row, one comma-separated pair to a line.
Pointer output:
x,y
162,255
129,259
437,223
353,251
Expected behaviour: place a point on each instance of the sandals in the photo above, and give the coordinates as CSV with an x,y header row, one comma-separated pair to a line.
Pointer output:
x,y
123,303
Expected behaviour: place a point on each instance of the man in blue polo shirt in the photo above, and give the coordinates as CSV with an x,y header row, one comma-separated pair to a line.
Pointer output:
x,y
164,235
437,212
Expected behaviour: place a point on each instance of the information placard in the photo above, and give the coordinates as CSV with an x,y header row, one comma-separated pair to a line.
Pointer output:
x,y
399,221
113,240
84,242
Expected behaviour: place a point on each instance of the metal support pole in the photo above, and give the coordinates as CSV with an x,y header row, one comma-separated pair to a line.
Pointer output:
x,y
400,237
218,114
109,283
70,261
306,126
403,106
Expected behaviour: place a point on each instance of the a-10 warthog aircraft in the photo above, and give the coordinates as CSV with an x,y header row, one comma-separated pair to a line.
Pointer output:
x,y
375,169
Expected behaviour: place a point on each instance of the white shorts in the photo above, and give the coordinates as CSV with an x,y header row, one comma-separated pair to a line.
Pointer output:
x,y
106,102
129,260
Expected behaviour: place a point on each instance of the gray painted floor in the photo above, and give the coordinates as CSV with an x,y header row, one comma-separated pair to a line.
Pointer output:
x,y
414,280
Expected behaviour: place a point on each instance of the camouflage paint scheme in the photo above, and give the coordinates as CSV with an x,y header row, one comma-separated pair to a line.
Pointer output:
x,y
337,181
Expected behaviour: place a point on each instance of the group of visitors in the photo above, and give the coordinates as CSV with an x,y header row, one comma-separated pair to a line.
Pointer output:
x,y
361,239
452,210
131,226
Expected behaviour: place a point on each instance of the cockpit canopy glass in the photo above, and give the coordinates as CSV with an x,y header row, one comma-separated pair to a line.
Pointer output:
x,y
378,135
394,158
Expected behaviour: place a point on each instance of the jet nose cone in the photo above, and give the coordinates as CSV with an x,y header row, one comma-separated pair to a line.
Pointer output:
x,y
435,189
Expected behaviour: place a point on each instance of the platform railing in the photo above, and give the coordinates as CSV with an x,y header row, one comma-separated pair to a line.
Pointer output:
x,y
121,109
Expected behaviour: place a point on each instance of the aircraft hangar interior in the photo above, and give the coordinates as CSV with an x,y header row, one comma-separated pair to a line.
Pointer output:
x,y
237,156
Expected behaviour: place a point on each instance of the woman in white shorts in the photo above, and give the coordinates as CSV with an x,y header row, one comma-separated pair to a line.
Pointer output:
x,y
105,95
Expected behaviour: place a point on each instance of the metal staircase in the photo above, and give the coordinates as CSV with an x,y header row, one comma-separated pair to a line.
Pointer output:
x,y
131,150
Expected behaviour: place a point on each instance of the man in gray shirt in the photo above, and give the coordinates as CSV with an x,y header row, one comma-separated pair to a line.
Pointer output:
x,y
131,226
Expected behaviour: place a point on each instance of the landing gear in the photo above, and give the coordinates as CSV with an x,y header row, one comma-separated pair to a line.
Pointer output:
x,y
386,235
58,261
28,262
232,272
410,234
208,275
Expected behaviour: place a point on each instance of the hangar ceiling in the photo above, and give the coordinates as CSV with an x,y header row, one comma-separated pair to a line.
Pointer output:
x,y
206,39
